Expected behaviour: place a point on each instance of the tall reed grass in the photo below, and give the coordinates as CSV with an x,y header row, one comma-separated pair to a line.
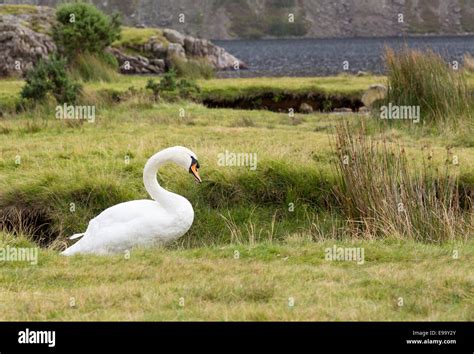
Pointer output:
x,y
469,62
92,67
382,192
424,79
193,68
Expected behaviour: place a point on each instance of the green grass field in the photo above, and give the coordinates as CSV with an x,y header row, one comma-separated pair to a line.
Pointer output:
x,y
47,164
218,88
291,280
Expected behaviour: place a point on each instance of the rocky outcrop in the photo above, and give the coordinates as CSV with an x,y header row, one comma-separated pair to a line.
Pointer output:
x,y
174,36
24,40
190,46
156,56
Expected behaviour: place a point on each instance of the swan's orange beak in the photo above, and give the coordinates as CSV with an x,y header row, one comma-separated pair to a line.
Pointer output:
x,y
195,172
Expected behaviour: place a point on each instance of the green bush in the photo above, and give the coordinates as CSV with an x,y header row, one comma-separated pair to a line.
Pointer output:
x,y
168,81
154,87
188,89
50,77
183,88
83,28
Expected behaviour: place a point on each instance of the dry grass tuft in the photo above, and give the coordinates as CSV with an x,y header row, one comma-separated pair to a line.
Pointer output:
x,y
382,192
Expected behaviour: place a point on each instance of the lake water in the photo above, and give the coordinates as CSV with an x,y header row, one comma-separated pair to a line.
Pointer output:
x,y
319,57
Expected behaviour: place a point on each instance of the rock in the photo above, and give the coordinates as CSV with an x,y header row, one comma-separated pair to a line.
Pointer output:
x,y
160,63
159,50
364,110
21,47
342,110
130,64
175,49
173,36
305,108
374,93
147,47
362,73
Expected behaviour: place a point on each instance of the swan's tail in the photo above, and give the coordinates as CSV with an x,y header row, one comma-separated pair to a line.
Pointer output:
x,y
73,237
75,247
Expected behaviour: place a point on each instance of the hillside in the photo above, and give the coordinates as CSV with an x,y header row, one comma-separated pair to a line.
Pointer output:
x,y
218,19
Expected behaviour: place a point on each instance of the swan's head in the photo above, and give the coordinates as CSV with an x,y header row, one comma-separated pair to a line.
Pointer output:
x,y
187,159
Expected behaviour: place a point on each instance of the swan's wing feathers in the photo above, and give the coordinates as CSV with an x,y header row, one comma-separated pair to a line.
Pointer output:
x,y
125,212
116,237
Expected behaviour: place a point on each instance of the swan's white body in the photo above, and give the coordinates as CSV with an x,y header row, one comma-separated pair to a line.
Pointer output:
x,y
141,222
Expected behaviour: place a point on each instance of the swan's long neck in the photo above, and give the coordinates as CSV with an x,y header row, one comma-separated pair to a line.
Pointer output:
x,y
156,192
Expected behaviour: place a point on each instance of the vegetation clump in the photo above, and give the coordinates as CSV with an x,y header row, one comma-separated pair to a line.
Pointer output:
x,y
193,68
81,33
50,77
81,28
169,85
381,193
424,79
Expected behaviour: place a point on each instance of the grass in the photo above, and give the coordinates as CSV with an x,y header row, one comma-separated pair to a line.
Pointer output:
x,y
212,284
469,64
280,218
423,79
132,37
193,68
85,164
232,89
218,89
77,166
382,192
90,67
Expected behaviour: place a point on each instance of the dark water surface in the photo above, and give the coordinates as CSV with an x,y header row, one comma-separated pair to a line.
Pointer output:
x,y
319,57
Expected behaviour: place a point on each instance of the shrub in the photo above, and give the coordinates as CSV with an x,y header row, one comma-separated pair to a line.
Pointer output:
x,y
154,87
423,79
168,81
83,28
188,89
50,77
382,194
183,88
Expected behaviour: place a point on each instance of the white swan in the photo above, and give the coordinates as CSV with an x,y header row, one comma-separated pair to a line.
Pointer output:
x,y
142,222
